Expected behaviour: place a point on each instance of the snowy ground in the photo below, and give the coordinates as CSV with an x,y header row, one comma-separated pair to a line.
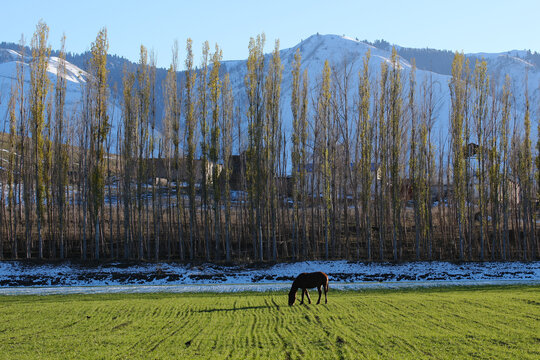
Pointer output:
x,y
23,278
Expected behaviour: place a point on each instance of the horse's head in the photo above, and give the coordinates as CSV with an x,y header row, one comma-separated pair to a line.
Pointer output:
x,y
292,297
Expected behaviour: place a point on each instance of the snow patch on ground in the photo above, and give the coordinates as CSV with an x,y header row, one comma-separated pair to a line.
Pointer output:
x,y
23,278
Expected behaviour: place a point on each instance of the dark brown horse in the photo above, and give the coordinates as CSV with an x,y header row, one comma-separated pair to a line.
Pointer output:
x,y
306,281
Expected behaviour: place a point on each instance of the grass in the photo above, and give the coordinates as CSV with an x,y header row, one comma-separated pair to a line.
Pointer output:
x,y
475,322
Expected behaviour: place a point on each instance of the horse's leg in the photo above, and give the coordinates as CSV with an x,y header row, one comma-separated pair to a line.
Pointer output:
x,y
301,302
320,293
325,291
307,294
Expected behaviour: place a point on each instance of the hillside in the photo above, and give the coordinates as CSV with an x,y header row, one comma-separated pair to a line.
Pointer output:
x,y
340,51
75,84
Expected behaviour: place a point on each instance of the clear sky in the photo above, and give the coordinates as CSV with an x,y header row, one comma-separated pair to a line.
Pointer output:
x,y
470,26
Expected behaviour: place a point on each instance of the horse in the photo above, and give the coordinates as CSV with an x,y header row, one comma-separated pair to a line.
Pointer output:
x,y
306,281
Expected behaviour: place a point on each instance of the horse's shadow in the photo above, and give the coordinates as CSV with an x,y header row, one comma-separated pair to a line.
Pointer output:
x,y
235,309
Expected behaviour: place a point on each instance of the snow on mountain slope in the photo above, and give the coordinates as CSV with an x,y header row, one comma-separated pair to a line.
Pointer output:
x,y
8,55
520,71
72,73
343,52
76,81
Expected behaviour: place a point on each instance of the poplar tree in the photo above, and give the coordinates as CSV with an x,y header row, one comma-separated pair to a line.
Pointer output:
x,y
504,153
365,132
191,146
332,144
99,129
468,134
156,215
39,83
129,116
254,82
143,112
61,156
273,132
457,93
342,172
525,175
415,174
494,172
426,166
12,168
202,103
172,123
481,91
299,108
295,155
84,133
304,135
174,112
226,139
170,127
383,156
48,173
324,115
215,92
395,114
19,178
25,153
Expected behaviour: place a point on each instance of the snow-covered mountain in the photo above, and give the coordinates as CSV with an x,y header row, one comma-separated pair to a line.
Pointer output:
x,y
341,51
521,72
76,79
75,82
338,50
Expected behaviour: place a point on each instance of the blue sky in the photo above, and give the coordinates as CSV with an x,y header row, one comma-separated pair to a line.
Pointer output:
x,y
470,26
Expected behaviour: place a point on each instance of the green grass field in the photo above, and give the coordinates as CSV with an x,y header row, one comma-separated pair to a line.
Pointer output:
x,y
453,323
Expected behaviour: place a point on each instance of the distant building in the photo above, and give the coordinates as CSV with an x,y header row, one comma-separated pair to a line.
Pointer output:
x,y
167,169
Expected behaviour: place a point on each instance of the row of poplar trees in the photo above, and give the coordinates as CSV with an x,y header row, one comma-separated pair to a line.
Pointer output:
x,y
367,180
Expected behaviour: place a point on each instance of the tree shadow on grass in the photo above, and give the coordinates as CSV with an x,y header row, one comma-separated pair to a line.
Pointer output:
x,y
236,309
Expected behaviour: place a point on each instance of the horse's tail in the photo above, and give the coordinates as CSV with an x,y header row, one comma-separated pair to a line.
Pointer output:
x,y
326,285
